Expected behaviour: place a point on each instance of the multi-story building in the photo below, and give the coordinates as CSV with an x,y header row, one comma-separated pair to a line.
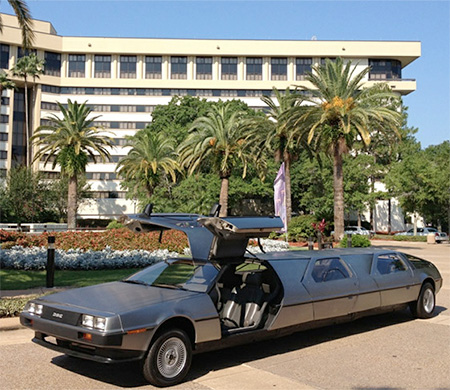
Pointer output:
x,y
123,79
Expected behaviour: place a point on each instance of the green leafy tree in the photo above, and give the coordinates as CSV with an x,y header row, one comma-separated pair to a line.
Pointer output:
x,y
339,111
71,140
421,181
28,66
219,139
22,12
25,197
152,156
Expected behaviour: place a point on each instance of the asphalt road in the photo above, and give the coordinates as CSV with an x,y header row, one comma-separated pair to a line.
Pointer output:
x,y
391,351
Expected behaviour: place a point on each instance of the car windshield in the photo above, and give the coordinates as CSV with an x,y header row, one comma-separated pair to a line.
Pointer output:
x,y
179,274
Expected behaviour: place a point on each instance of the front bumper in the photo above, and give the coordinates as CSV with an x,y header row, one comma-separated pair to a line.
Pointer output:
x,y
103,347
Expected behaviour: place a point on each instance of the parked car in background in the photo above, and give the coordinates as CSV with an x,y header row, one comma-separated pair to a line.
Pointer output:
x,y
424,231
224,295
357,230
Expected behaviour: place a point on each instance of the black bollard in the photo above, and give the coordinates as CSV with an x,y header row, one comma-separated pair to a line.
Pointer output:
x,y
51,261
319,241
349,240
310,243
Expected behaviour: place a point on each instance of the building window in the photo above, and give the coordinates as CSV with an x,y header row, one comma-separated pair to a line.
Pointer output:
x,y
22,53
254,68
3,136
4,101
153,67
102,67
178,67
204,68
4,56
49,106
3,154
229,68
385,69
52,64
51,89
279,68
128,67
302,67
4,118
77,65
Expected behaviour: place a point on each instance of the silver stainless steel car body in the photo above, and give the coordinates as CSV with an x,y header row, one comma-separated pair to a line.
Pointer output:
x,y
221,297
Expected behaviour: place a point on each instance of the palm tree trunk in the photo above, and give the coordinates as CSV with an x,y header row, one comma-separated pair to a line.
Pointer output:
x,y
27,134
223,198
72,203
338,187
287,175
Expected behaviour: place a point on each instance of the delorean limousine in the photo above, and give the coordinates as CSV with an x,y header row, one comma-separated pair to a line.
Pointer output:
x,y
224,296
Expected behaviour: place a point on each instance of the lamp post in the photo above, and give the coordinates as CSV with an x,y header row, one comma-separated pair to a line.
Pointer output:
x,y
50,261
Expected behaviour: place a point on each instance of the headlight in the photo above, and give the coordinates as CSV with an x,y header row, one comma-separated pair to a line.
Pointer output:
x,y
100,323
34,308
93,322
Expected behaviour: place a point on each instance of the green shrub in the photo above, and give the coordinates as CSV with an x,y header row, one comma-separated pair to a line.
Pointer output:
x,y
12,307
114,224
400,238
300,228
358,241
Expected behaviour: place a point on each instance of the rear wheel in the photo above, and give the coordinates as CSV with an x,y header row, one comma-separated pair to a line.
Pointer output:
x,y
425,304
169,358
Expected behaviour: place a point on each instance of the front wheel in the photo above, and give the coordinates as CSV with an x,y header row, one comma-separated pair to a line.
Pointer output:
x,y
425,304
169,359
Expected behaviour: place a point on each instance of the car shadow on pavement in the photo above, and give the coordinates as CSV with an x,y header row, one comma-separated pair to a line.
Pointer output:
x,y
128,375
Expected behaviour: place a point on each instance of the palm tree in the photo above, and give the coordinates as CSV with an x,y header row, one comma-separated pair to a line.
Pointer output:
x,y
221,140
338,112
5,82
70,141
22,12
28,66
151,154
279,135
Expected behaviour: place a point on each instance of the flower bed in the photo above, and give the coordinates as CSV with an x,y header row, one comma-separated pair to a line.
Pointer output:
x,y
116,239
76,259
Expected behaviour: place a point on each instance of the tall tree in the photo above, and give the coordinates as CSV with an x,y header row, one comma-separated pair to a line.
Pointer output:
x,y
338,112
219,139
152,155
22,12
279,135
71,140
28,66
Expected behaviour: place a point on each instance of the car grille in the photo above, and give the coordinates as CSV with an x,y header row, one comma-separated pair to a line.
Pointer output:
x,y
64,316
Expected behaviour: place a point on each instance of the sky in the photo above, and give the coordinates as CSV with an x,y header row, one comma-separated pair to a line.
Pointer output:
x,y
425,21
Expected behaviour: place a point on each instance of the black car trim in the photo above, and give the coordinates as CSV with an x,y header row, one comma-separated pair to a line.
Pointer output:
x,y
96,358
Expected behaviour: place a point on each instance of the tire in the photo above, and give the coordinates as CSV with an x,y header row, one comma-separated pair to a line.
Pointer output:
x,y
425,304
169,358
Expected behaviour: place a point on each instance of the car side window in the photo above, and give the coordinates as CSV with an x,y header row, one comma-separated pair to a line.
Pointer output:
x,y
389,264
326,270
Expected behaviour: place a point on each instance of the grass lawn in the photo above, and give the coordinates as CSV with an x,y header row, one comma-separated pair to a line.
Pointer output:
x,y
22,280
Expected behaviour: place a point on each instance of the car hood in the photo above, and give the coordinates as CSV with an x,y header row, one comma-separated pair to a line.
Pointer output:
x,y
115,297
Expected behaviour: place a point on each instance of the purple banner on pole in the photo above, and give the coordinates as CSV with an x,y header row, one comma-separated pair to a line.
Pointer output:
x,y
279,187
